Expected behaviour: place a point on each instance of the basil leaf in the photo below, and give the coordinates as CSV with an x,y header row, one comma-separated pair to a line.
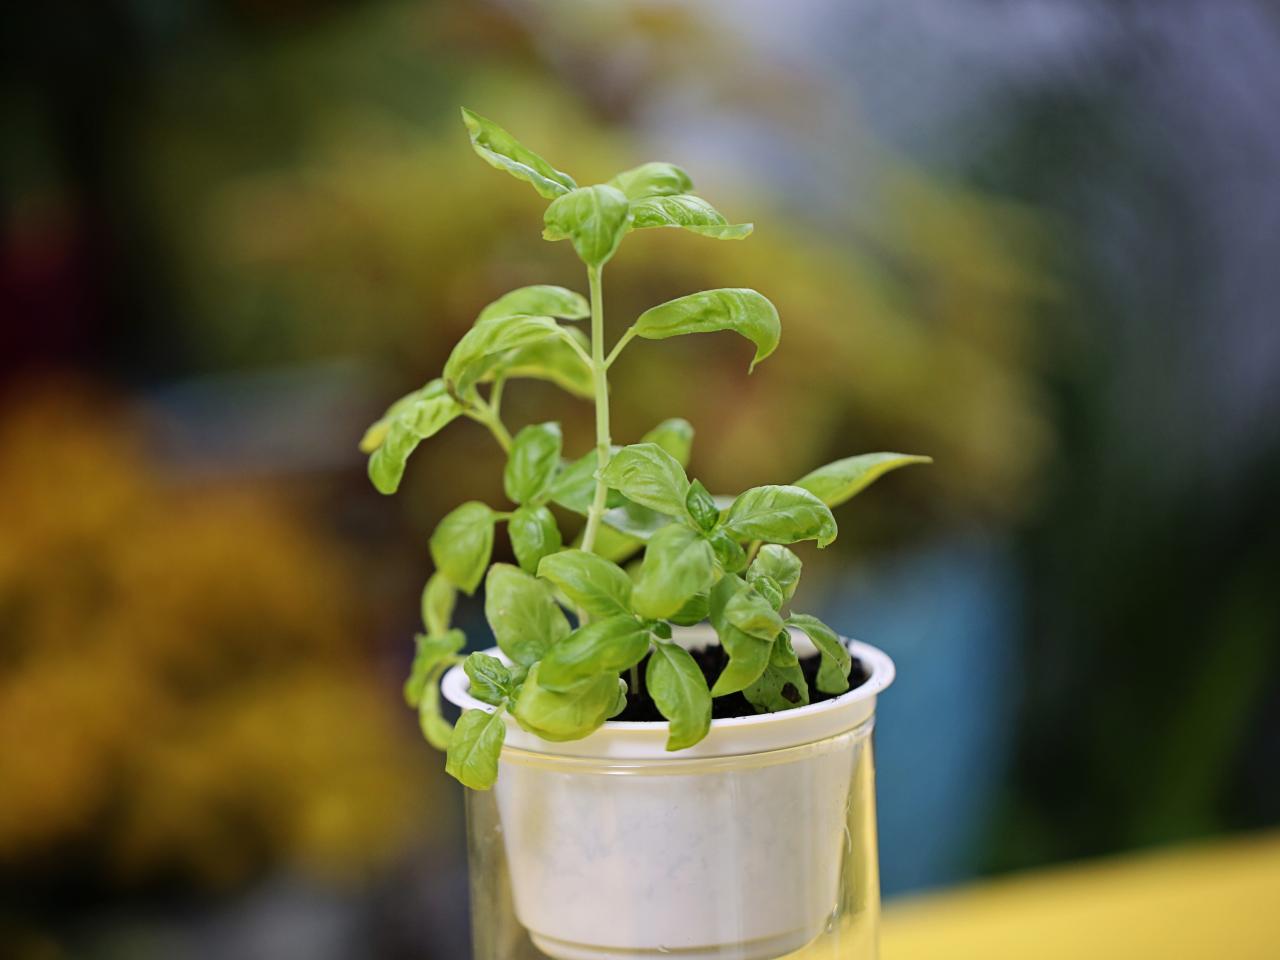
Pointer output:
x,y
407,422
620,703
534,535
780,514
740,310
602,646
679,691
484,347
768,588
565,715
524,617
687,212
636,521
752,613
833,673
782,685
437,603
653,179
429,654
593,219
501,150
462,544
532,462
778,563
648,475
732,602
489,676
575,485
748,659
540,300
674,436
678,564
552,359
729,553
615,545
692,613
436,730
475,747
598,586
839,481
701,507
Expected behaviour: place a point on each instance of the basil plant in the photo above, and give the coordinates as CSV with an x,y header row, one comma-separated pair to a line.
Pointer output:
x,y
573,624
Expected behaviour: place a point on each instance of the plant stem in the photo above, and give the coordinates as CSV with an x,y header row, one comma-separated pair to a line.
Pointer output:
x,y
601,389
617,348
489,417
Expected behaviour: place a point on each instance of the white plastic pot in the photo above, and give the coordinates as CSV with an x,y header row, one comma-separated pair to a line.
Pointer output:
x,y
753,844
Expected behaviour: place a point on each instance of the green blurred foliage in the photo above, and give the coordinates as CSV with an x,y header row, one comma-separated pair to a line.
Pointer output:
x,y
353,220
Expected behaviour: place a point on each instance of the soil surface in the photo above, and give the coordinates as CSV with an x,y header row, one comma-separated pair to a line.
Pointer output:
x,y
712,660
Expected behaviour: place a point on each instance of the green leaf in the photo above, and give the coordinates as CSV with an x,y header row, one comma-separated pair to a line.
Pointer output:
x,y
635,520
407,422
540,300
653,179
575,485
565,715
674,436
748,654
532,462
615,545
591,582
602,646
729,553
782,685
740,310
751,612
687,212
679,691
524,617
490,678
701,507
501,150
475,747
780,514
778,563
678,564
593,219
693,612
462,544
552,359
648,475
430,653
620,703
435,728
833,673
837,482
768,588
534,535
488,344
437,603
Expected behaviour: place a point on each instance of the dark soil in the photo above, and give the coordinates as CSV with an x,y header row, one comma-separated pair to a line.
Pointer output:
x,y
712,660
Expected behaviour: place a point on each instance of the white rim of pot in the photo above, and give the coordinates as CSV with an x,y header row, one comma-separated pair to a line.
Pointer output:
x,y
730,737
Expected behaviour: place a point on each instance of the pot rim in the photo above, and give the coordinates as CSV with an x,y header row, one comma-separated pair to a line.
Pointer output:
x,y
731,736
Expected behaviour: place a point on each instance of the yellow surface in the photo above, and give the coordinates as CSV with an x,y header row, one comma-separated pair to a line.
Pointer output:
x,y
1219,901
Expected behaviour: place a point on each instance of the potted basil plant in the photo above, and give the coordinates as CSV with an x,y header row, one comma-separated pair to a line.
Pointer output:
x,y
681,762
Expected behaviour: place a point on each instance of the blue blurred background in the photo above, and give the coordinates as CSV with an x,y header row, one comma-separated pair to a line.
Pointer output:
x,y
1037,240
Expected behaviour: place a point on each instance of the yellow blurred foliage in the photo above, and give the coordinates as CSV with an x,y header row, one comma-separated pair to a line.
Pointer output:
x,y
182,692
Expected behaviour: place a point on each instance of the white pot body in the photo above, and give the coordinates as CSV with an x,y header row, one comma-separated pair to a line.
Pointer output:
x,y
754,844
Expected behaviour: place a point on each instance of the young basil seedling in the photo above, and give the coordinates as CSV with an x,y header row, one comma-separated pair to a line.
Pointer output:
x,y
702,558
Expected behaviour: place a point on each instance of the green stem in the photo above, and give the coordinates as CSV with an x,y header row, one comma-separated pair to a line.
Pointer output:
x,y
486,415
617,348
495,398
601,389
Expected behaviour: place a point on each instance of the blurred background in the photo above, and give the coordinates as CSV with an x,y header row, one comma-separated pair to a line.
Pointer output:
x,y
1037,240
